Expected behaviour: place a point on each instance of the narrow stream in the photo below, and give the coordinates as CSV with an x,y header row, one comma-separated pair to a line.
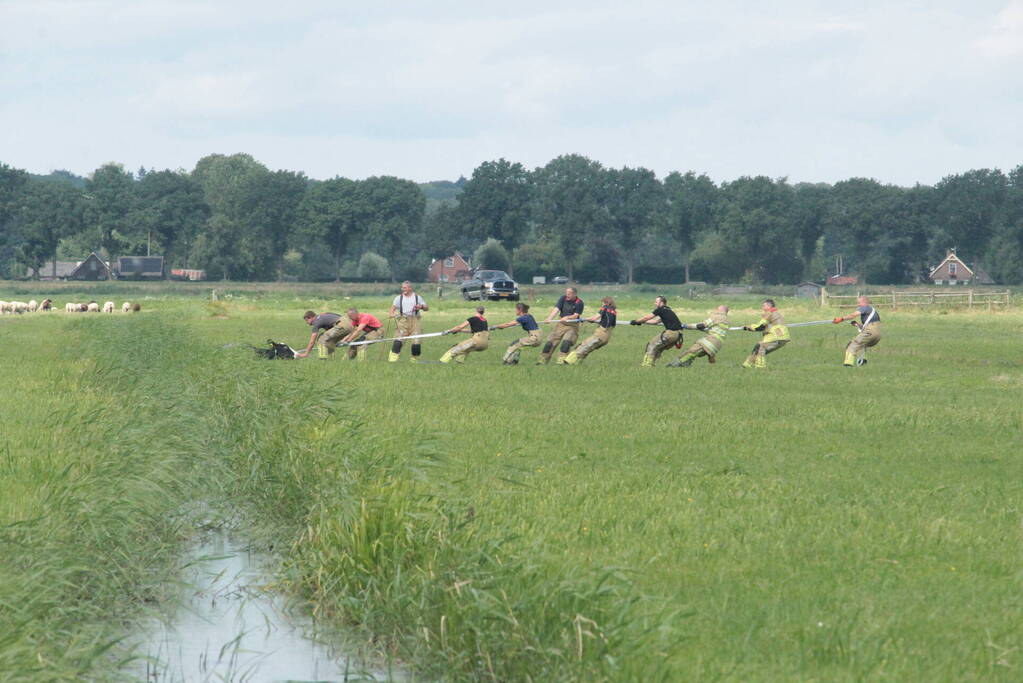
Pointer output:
x,y
231,627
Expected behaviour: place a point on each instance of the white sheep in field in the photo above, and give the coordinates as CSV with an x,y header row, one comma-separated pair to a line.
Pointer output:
x,y
126,307
108,307
70,307
93,307
32,306
3,307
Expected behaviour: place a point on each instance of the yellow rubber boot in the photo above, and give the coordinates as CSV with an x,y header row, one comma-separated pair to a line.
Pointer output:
x,y
686,359
648,362
321,352
571,359
446,358
393,357
761,362
748,363
850,360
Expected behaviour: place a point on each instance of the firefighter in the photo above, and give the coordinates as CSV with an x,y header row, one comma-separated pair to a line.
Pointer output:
x,y
716,327
869,326
671,336
532,338
365,327
606,320
569,307
479,341
327,330
405,310
776,335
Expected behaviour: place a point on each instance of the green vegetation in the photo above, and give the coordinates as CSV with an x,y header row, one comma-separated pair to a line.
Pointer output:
x,y
597,522
236,219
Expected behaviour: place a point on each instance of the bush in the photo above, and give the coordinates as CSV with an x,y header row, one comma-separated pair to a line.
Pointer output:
x,y
492,254
374,267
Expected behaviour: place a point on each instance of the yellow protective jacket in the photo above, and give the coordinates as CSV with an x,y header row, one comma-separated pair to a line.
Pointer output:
x,y
773,327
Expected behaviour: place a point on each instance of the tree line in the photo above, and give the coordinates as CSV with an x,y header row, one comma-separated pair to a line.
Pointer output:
x,y
236,219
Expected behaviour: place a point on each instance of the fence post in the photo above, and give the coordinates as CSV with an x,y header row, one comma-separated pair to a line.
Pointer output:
x,y
969,299
895,300
824,297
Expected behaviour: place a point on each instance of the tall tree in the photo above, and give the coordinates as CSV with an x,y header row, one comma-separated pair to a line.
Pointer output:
x,y
692,207
111,200
271,211
228,248
172,211
396,210
333,213
634,198
756,224
49,212
496,202
569,206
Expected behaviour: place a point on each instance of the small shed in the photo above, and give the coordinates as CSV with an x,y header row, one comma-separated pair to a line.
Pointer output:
x,y
92,268
454,268
809,290
951,271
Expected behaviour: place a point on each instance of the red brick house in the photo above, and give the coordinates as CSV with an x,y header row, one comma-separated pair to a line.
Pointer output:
x,y
454,268
952,271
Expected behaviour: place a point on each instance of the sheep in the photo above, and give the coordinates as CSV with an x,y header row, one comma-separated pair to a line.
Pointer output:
x,y
82,308
136,307
70,307
32,306
3,307
46,305
126,307
93,307
20,306
108,307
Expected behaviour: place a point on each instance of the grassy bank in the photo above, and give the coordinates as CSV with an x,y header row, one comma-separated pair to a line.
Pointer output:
x,y
598,522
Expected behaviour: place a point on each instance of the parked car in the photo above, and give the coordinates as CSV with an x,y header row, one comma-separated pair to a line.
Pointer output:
x,y
559,280
490,285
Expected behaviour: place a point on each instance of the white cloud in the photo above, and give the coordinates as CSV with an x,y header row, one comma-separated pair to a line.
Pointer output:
x,y
902,92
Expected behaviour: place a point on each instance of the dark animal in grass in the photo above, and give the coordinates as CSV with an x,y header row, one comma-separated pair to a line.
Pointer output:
x,y
276,351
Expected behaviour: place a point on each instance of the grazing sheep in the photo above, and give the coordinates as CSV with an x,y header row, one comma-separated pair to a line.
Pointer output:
x,y
70,307
46,305
93,307
125,307
3,307
136,307
82,308
20,307
32,306
108,307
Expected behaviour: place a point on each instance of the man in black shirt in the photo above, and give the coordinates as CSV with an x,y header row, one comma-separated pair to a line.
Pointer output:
x,y
606,320
671,336
569,307
479,341
330,328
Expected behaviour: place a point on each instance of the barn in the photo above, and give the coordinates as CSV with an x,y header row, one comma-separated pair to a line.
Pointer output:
x,y
93,268
809,290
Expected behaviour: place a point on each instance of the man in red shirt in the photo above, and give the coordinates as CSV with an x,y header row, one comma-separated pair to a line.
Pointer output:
x,y
367,328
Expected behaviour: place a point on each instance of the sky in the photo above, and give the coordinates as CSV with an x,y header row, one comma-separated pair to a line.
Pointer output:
x,y
904,92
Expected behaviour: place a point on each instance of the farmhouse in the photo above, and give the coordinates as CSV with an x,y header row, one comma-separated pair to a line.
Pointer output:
x,y
843,280
954,271
454,268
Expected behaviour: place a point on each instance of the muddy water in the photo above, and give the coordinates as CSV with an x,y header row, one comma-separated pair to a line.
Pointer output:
x,y
230,627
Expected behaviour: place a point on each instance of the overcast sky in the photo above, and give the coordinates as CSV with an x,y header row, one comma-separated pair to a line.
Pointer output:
x,y
904,92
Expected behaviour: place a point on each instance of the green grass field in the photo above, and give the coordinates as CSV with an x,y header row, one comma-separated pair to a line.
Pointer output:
x,y
598,522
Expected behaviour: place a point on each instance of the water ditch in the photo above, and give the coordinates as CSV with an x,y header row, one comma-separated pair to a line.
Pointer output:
x,y
230,625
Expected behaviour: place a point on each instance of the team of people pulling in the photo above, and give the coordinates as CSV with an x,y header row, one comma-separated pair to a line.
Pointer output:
x,y
357,331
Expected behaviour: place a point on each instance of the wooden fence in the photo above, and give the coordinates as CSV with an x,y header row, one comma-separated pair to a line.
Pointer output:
x,y
896,299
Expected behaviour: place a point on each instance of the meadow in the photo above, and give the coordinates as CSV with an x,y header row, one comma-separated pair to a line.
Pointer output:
x,y
597,522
